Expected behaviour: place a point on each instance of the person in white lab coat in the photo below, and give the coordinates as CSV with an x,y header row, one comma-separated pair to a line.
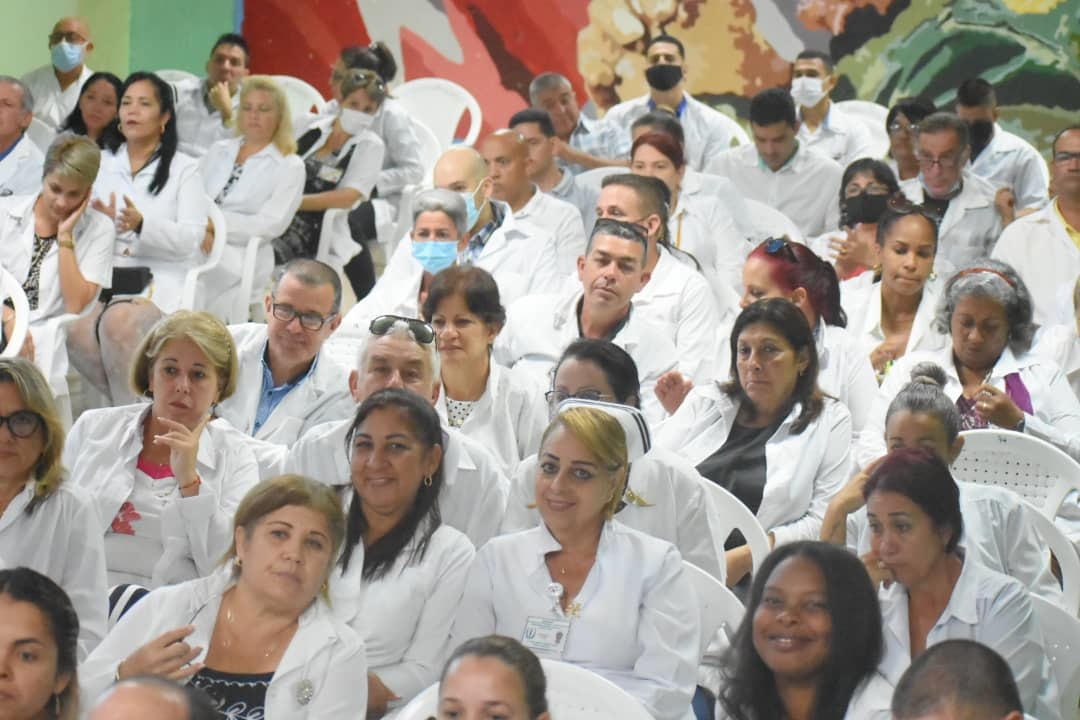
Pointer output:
x,y
20,158
257,636
402,572
56,86
97,113
493,669
935,591
164,478
583,588
902,124
823,127
206,108
810,642
45,523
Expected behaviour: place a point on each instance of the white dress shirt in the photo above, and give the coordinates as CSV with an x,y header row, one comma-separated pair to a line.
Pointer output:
x,y
324,655
198,126
706,129
405,616
1010,161
638,624
987,607
971,224
841,137
174,220
845,372
583,196
559,219
664,498
21,168
802,472
718,189
1060,345
62,539
101,453
52,105
805,189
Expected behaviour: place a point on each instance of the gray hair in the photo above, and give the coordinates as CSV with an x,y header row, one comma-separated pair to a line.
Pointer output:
x,y
926,394
313,274
544,82
996,281
942,122
27,96
400,330
624,231
447,202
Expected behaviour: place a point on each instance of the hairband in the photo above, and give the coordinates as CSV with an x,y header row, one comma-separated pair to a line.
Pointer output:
x,y
992,271
638,438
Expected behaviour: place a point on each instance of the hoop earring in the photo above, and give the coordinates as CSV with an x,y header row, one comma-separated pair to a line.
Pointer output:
x,y
56,704
427,481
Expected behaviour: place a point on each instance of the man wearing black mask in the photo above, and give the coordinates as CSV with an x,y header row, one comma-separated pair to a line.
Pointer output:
x,y
707,131
1007,161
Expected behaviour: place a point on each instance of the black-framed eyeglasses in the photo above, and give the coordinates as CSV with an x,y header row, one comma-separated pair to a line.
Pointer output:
x,y
308,321
1065,157
901,205
896,127
22,423
555,398
781,246
945,162
421,331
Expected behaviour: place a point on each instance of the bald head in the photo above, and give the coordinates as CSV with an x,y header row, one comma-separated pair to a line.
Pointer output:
x,y
459,169
138,700
75,32
507,157
73,24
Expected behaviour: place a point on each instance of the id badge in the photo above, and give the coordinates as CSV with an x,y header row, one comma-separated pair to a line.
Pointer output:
x,y
330,174
546,636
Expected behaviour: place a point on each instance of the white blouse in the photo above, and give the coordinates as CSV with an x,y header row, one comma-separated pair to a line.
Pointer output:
x,y
638,624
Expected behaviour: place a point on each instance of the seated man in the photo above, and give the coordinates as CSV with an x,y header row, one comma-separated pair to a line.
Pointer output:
x,y
153,696
706,129
823,127
284,386
205,108
779,171
580,143
21,161
507,158
56,86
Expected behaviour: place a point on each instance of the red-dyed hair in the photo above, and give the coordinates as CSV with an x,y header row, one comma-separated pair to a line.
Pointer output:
x,y
665,144
809,272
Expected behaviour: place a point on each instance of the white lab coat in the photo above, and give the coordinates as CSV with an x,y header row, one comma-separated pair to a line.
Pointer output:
x,y
861,300
559,219
1044,256
523,259
21,170
802,472
664,498
971,224
845,372
1060,345
405,616
62,539
101,451
324,654
174,220
706,129
509,417
638,627
987,607
539,328
198,126
52,105
702,227
841,137
1010,161
721,190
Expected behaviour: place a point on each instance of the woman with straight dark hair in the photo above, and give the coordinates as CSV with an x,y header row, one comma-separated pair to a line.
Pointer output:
x,y
95,115
493,671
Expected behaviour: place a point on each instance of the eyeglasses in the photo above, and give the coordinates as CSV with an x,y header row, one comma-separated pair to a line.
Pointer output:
x,y
422,332
72,37
555,398
896,127
1065,157
946,162
782,247
22,423
900,205
308,321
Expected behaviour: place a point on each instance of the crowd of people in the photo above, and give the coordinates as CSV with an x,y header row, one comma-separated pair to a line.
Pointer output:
x,y
503,437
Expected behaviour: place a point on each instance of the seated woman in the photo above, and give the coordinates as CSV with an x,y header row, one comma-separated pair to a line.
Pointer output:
x,y
769,435
810,642
257,180
902,124
45,523
402,571
39,633
491,404
95,115
154,197
664,495
164,478
496,676
257,635
938,592
582,588
890,311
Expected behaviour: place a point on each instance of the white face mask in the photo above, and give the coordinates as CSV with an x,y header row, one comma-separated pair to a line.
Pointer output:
x,y
807,91
355,122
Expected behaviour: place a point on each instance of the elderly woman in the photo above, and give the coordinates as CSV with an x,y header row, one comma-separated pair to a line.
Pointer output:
x,y
39,632
95,115
582,588
257,636
402,571
164,478
902,124
769,435
257,179
493,673
46,524
938,592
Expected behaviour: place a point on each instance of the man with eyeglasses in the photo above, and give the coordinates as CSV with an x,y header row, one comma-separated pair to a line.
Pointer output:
x,y
970,224
205,106
1044,247
55,87
285,386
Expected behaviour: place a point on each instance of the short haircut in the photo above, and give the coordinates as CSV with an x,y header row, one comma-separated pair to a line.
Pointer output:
x,y
976,92
47,474
913,108
236,40
400,330
618,367
665,38
515,656
622,230
313,274
660,120
27,96
878,170
773,106
945,122
824,57
197,702
545,82
651,192
997,281
445,201
960,673
73,157
205,330
1060,134
533,115
926,394
475,285
283,138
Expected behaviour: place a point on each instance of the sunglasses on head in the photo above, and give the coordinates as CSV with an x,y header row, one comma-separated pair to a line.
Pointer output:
x,y
422,332
901,205
781,246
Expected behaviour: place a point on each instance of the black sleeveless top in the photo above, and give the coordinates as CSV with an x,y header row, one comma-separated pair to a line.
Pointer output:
x,y
234,696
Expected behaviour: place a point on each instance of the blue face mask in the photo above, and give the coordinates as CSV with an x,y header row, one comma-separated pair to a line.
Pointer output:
x,y
472,212
435,255
67,56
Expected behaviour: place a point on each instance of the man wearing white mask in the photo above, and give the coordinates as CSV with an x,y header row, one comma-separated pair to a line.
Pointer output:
x,y
56,86
824,127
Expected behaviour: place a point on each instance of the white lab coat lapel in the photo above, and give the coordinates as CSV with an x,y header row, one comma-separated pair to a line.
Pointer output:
x,y
14,161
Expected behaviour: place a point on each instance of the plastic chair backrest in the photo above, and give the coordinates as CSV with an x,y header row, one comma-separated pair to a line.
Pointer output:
x,y
11,288
595,177
303,98
719,607
439,104
40,134
1032,468
1061,638
430,150
873,118
730,511
175,76
768,222
189,300
1067,557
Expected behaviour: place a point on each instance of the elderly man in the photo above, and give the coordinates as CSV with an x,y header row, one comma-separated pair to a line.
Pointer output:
x,y
825,128
205,108
580,143
152,696
507,157
285,386
21,161
55,87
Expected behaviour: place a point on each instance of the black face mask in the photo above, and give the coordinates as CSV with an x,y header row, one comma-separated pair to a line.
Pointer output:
x,y
663,77
980,133
863,208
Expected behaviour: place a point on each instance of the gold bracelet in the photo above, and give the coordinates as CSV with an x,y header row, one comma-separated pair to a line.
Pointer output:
x,y
69,244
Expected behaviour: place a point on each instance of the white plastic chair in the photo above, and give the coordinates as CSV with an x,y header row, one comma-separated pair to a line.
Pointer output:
x,y
733,515
176,76
873,116
11,288
241,304
1067,558
719,608
1061,638
439,104
594,178
769,222
40,134
302,96
189,299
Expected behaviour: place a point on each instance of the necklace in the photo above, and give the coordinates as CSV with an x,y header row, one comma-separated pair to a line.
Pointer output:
x,y
226,642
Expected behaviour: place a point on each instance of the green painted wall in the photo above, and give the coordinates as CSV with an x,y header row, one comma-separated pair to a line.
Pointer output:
x,y
177,35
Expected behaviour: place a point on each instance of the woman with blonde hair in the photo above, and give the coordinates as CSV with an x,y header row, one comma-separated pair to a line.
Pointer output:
x,y
46,524
166,476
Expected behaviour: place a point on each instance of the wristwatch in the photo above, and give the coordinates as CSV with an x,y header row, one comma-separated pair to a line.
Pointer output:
x,y
66,243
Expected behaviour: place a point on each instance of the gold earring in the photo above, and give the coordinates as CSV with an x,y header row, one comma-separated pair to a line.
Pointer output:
x,y
56,704
427,481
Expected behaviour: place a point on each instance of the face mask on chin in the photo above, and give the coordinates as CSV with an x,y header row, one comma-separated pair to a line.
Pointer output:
x,y
663,77
472,211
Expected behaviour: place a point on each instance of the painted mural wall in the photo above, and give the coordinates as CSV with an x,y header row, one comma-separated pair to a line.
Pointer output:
x,y
885,49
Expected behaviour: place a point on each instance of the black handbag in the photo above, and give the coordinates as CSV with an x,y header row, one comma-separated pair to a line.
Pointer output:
x,y
131,280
